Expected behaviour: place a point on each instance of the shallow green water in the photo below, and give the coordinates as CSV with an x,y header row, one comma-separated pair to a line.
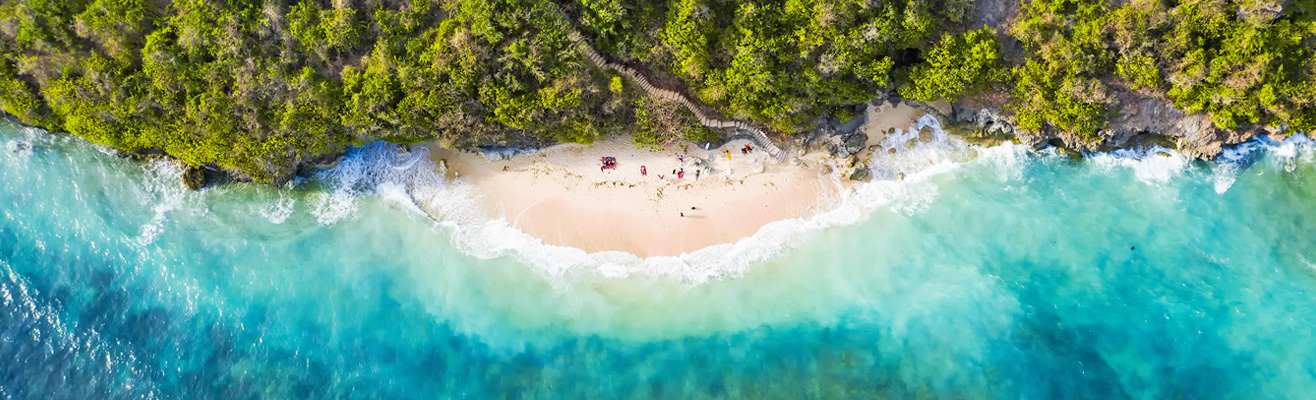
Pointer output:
x,y
986,273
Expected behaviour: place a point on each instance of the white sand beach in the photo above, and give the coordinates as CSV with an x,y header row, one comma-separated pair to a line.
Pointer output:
x,y
560,194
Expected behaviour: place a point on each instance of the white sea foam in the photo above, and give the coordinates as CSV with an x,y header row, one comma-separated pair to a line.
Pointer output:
x,y
21,148
279,210
1154,166
161,189
338,201
1158,165
1285,155
904,183
409,180
1224,177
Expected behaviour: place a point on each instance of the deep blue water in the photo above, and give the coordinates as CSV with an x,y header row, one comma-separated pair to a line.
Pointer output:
x,y
1005,274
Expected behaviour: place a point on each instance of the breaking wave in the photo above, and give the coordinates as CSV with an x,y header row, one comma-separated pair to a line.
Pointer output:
x,y
905,182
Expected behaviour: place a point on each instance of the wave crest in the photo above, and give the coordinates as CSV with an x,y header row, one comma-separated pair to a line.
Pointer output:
x,y
408,178
904,183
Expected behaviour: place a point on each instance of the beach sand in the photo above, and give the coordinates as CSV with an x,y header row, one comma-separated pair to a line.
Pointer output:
x,y
560,195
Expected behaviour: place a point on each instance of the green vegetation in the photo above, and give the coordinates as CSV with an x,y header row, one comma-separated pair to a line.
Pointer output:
x,y
957,65
1060,85
780,62
1243,62
260,86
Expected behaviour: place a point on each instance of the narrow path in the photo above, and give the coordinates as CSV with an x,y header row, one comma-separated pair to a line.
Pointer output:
x,y
756,135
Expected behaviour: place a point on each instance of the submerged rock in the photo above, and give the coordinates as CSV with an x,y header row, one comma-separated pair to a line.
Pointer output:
x,y
326,162
925,134
1065,151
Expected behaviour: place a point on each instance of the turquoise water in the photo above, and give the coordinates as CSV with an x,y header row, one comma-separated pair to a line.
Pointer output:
x,y
986,273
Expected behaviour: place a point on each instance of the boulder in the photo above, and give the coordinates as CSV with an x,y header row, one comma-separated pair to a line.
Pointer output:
x,y
194,178
1065,151
144,155
853,124
1072,154
495,153
855,142
925,134
326,161
859,174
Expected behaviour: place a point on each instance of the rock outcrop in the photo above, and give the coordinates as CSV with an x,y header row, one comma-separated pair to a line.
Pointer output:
x,y
499,152
1135,120
194,178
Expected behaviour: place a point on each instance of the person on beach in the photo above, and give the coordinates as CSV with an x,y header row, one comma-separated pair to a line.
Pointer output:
x,y
681,174
697,174
728,154
643,172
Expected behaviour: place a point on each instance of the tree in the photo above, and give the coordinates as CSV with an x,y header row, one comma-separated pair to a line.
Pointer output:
x,y
957,65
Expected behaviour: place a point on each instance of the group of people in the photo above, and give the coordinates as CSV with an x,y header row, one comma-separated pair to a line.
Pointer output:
x,y
744,151
609,163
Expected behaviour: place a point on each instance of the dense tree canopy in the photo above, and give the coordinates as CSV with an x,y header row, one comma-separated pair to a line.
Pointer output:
x,y
1243,62
259,86
957,65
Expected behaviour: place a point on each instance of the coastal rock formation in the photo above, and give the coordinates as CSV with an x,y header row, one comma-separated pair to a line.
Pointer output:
x,y
982,126
499,152
859,174
194,178
1135,121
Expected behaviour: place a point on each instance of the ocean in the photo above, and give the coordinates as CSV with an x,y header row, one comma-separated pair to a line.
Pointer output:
x,y
960,272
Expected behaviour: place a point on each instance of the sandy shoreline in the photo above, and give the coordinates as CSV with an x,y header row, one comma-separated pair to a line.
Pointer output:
x,y
560,195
